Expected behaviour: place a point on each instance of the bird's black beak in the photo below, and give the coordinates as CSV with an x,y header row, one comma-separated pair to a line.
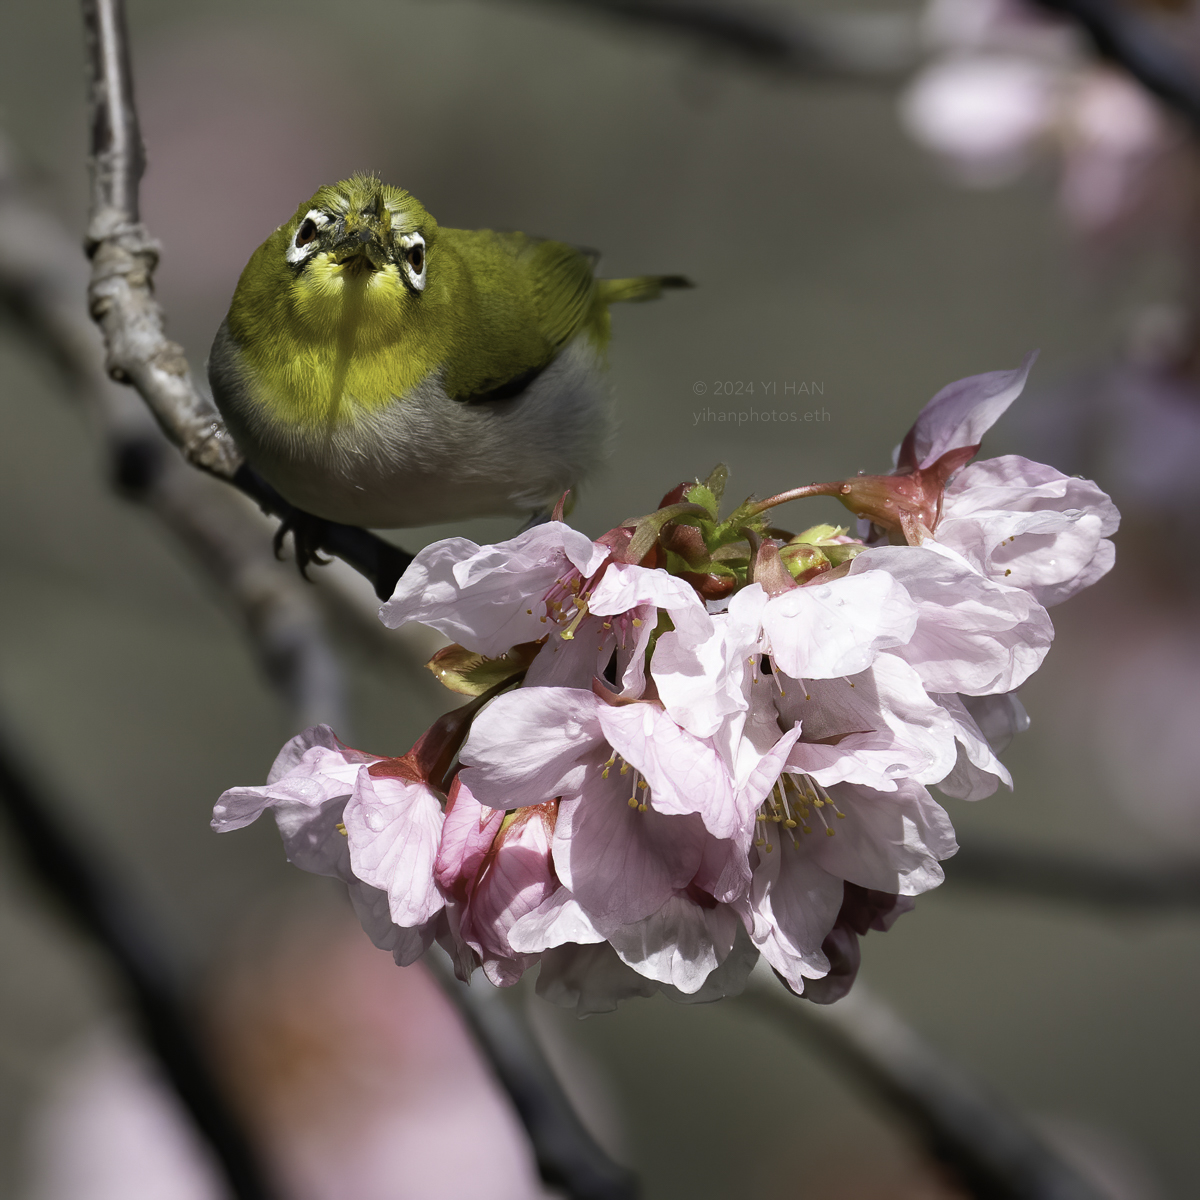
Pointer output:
x,y
362,240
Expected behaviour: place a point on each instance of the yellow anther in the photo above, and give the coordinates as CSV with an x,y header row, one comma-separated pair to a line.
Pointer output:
x,y
641,783
638,622
805,829
341,829
841,817
1009,571
633,802
642,806
604,773
829,833
769,847
789,824
760,842
624,768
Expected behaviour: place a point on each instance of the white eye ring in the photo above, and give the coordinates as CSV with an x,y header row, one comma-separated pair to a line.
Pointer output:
x,y
299,250
413,246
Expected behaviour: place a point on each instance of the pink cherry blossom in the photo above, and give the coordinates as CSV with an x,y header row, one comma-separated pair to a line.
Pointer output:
x,y
813,840
972,635
961,413
378,835
1027,525
495,869
487,598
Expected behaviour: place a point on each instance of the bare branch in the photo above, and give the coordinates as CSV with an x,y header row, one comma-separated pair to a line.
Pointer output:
x,y
92,901
568,1157
1051,875
865,47
987,1146
124,256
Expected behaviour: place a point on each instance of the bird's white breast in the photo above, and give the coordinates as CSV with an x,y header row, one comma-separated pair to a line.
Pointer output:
x,y
425,458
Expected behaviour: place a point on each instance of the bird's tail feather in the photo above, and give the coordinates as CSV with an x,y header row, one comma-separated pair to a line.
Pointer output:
x,y
643,287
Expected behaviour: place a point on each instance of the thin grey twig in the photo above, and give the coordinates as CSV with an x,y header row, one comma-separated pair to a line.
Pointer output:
x,y
865,47
41,285
124,257
567,1155
989,1149
1073,879
122,303
90,898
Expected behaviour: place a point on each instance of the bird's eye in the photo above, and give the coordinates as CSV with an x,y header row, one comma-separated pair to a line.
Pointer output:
x,y
306,232
416,258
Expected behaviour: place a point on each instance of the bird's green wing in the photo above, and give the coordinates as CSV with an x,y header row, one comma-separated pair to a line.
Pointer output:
x,y
563,285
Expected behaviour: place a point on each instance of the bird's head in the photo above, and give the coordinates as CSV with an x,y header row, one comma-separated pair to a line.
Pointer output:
x,y
358,252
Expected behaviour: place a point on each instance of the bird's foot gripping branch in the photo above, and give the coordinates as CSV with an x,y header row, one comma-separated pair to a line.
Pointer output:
x,y
698,739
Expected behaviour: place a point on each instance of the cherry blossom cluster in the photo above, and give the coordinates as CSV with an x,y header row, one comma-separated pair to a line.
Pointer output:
x,y
700,739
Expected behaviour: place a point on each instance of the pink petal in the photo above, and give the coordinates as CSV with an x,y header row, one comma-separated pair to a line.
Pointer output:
x,y
467,835
972,635
292,756
889,841
794,903
393,828
619,863
681,944
685,774
962,412
625,587
489,598
528,745
517,876
589,979
559,919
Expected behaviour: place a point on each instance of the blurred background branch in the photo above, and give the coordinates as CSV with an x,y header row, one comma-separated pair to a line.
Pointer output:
x,y
42,276
987,1147
567,1155
87,893
1122,35
862,47
1074,879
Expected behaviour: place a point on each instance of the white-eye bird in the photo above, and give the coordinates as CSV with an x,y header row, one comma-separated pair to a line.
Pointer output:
x,y
380,370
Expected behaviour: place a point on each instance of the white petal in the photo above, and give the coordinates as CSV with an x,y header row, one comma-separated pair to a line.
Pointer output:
x,y
824,630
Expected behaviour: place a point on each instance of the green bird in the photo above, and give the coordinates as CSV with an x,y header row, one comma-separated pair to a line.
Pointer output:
x,y
380,370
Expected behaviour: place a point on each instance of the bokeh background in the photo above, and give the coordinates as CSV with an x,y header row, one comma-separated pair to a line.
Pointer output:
x,y
830,251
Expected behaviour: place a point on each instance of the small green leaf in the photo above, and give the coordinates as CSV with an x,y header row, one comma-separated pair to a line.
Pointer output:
x,y
819,535
472,674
